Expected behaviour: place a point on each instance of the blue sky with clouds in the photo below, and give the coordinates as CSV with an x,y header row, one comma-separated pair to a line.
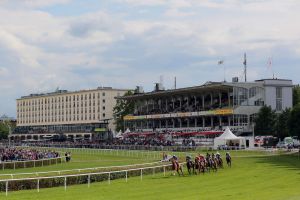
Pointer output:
x,y
75,44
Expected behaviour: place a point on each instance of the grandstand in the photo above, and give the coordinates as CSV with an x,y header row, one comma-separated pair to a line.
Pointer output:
x,y
207,108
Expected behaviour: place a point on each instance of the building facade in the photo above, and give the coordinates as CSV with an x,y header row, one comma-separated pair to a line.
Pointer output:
x,y
63,112
211,106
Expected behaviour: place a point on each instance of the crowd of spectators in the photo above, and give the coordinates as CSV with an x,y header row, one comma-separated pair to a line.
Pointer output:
x,y
19,154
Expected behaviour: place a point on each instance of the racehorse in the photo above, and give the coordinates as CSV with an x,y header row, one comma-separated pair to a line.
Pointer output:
x,y
228,159
176,166
219,161
190,165
213,163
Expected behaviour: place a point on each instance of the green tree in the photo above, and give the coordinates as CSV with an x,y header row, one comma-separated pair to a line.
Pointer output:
x,y
294,121
296,95
4,129
121,109
282,124
265,121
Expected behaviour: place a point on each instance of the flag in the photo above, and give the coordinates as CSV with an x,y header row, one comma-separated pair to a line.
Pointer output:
x,y
220,62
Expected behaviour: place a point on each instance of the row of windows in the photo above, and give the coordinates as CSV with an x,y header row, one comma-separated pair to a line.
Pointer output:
x,y
60,99
61,119
57,109
66,105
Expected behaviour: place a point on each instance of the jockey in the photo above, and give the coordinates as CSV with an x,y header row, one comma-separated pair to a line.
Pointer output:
x,y
228,155
218,155
201,157
188,157
175,157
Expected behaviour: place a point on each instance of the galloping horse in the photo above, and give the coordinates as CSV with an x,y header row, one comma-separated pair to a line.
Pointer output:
x,y
228,159
190,164
219,160
213,163
176,166
202,164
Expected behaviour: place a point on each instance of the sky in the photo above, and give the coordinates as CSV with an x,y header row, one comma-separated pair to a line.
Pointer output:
x,y
75,44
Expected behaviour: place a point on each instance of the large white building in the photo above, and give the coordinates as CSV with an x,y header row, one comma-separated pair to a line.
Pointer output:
x,y
77,113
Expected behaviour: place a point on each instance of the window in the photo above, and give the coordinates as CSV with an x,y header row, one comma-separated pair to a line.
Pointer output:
x,y
103,115
103,101
278,99
103,107
278,92
103,94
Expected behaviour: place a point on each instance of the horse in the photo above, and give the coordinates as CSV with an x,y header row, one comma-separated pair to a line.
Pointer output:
x,y
176,166
219,161
228,159
213,163
202,165
190,165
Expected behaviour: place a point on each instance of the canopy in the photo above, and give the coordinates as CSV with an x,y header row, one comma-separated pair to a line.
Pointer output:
x,y
229,139
119,134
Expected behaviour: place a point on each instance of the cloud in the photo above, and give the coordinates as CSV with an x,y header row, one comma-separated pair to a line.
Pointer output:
x,y
123,43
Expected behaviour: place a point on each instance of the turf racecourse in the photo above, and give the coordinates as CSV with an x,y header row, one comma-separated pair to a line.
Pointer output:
x,y
272,177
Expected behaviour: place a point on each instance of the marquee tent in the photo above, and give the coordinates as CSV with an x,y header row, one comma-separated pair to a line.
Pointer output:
x,y
229,139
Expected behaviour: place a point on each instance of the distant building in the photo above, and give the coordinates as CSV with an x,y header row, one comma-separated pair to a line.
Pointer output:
x,y
78,114
211,106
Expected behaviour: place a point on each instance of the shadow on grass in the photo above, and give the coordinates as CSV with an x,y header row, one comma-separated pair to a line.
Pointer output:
x,y
291,162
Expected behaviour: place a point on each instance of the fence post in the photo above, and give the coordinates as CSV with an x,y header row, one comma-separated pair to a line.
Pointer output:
x,y
108,178
6,188
89,180
14,166
33,163
65,183
126,176
42,162
24,164
141,174
153,171
38,185
164,170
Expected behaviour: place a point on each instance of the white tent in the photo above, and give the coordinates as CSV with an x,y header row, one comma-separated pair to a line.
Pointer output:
x,y
119,134
229,139
127,131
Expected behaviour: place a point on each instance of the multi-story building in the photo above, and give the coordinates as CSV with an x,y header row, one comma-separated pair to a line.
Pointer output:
x,y
75,114
211,106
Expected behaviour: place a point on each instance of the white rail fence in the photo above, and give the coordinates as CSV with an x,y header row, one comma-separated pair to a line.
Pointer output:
x,y
30,163
86,178
60,172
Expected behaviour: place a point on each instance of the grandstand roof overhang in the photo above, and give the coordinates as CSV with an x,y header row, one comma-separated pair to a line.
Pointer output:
x,y
206,88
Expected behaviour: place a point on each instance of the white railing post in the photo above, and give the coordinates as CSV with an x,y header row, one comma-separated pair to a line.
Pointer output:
x,y
14,166
108,178
65,183
164,170
141,174
6,188
153,171
38,185
33,163
126,176
89,180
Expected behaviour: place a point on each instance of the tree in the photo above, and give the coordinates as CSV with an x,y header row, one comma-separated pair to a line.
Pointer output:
x,y
122,108
296,95
282,124
294,121
265,121
4,128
